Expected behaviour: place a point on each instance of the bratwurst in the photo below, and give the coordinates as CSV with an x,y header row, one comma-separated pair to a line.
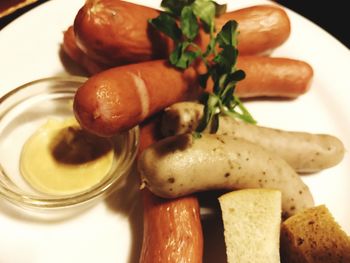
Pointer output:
x,y
182,164
305,152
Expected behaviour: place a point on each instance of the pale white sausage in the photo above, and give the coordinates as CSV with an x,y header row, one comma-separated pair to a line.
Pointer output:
x,y
181,165
305,152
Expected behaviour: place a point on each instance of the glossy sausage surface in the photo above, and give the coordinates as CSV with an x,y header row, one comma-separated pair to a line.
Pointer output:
x,y
273,77
172,230
71,48
117,32
120,98
261,28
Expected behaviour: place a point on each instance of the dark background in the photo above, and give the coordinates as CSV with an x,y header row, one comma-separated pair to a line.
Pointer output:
x,y
332,16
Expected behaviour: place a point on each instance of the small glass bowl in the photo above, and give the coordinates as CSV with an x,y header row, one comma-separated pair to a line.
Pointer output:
x,y
22,111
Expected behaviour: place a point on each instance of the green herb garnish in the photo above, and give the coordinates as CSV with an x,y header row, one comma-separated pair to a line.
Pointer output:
x,y
221,67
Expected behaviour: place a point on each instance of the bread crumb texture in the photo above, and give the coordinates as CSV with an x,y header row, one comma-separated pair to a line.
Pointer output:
x,y
252,219
313,236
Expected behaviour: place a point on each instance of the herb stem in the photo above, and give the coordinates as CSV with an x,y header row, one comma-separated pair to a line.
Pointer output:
x,y
220,56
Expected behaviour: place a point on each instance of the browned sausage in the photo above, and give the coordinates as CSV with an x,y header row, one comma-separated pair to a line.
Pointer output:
x,y
284,77
73,51
261,28
172,228
273,77
120,98
117,32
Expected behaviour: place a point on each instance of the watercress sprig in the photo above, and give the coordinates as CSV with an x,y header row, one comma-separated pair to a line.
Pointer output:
x,y
220,62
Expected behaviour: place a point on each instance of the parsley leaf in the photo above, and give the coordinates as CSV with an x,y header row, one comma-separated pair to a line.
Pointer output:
x,y
220,56
220,9
227,58
189,24
167,25
182,58
228,34
205,10
203,79
235,76
175,6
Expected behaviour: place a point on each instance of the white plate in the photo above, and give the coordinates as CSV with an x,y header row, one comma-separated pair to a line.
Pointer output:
x,y
111,231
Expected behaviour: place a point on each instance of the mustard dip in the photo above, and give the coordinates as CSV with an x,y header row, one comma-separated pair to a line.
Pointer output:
x,y
60,158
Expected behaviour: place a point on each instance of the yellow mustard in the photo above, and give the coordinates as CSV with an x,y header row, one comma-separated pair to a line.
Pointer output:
x,y
61,158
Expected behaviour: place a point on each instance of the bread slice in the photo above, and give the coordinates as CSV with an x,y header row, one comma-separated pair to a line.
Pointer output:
x,y
313,236
252,220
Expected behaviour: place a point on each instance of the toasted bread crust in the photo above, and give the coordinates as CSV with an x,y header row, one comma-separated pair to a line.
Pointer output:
x,y
314,236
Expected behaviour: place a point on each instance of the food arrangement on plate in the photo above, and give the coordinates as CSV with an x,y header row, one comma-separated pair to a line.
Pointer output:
x,y
111,33
181,75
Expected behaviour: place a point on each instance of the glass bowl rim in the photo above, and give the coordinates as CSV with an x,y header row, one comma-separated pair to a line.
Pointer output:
x,y
98,190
